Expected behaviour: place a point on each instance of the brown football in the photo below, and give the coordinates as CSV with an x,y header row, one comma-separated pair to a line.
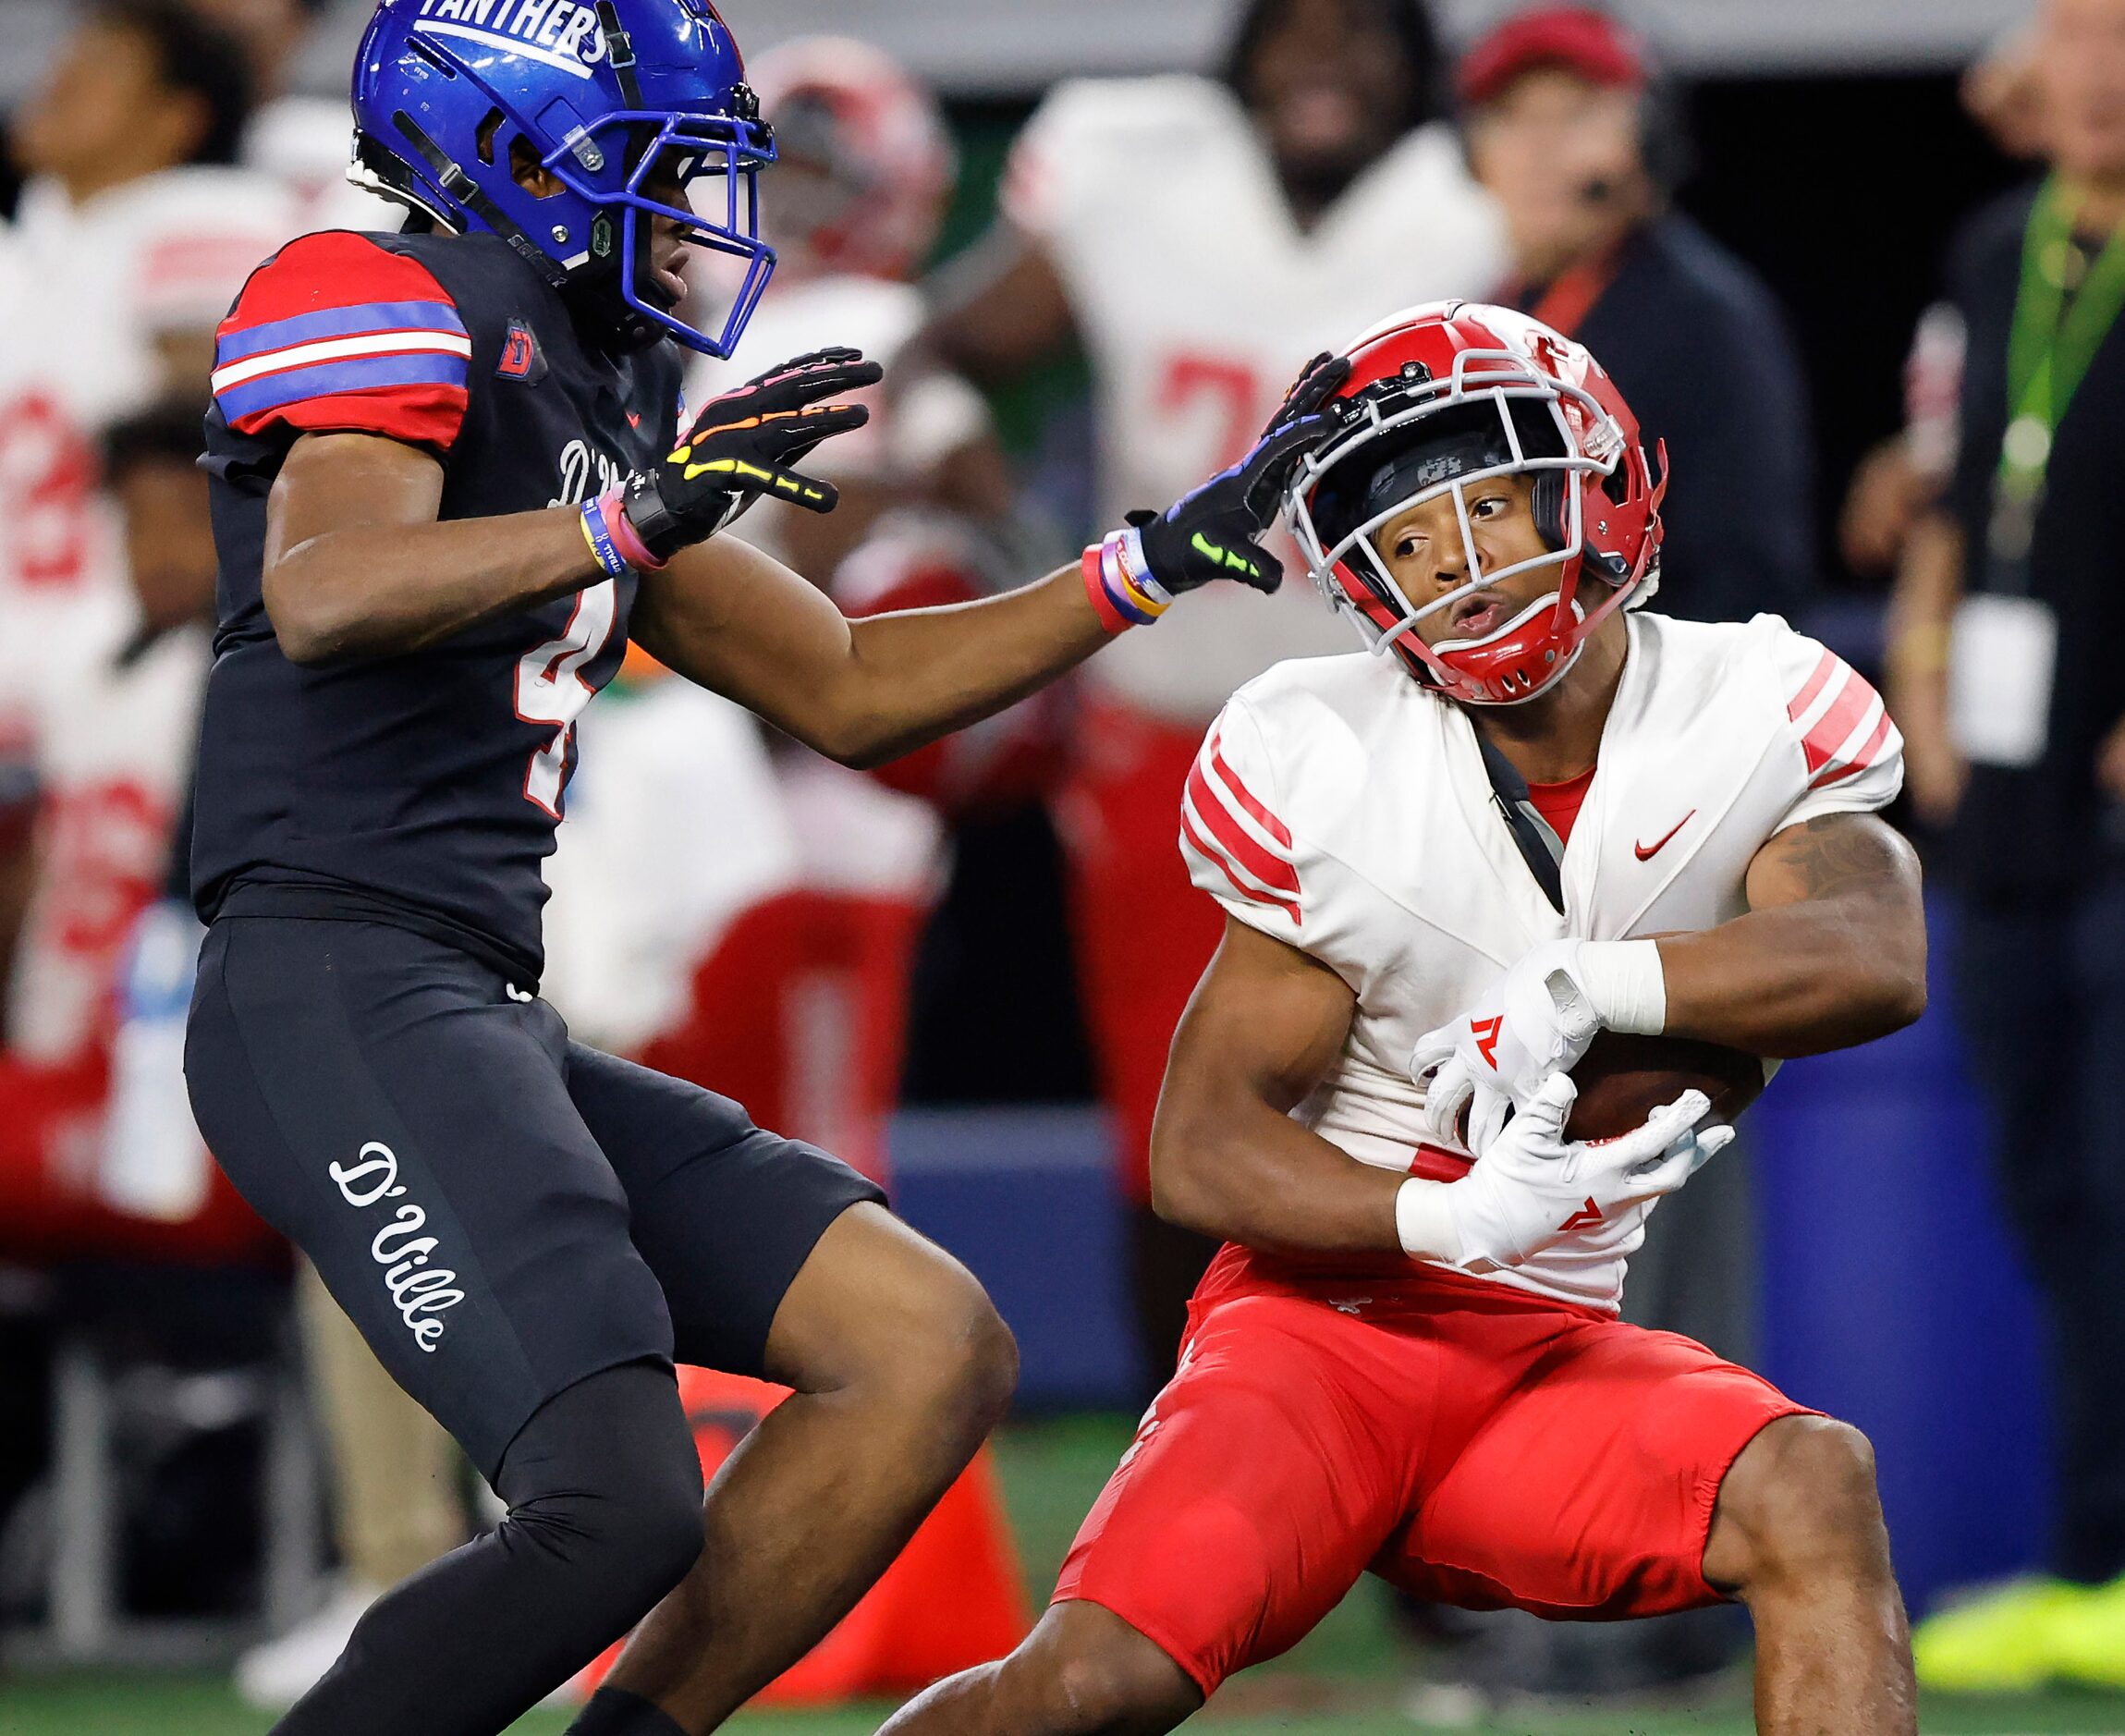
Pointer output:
x,y
1622,1079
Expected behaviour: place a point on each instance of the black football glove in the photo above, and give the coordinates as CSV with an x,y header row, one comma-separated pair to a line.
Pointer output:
x,y
741,447
1214,533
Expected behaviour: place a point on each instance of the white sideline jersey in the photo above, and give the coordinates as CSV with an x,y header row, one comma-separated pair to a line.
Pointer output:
x,y
114,726
84,291
1344,810
1198,300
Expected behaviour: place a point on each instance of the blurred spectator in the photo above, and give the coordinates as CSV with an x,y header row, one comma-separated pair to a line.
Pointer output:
x,y
1899,480
864,168
2005,677
1569,130
134,232
926,517
303,140
115,703
1202,237
131,238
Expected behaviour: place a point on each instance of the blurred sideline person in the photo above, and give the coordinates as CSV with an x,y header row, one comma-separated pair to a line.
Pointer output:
x,y
115,704
131,236
926,519
1406,1360
1568,131
298,138
134,228
1200,236
1900,480
1569,128
2007,610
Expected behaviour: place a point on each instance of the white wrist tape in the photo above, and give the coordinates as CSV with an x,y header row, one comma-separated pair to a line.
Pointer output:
x,y
1424,1221
1626,984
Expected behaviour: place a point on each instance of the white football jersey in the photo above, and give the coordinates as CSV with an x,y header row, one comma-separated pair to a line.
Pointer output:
x,y
1199,299
84,290
114,746
1344,810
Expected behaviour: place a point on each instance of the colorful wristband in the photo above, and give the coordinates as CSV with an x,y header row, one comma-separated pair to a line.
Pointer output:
x,y
1119,581
598,534
1095,588
611,510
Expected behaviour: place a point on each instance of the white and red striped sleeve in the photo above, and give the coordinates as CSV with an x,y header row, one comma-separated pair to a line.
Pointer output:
x,y
1237,847
1851,751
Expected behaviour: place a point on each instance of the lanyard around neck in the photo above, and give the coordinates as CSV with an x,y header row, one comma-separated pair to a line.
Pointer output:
x,y
2054,340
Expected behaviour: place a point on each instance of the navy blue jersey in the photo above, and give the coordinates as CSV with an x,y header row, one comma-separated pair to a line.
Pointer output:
x,y
423,786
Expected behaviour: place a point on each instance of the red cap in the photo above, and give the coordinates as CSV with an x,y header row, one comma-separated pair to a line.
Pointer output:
x,y
1578,39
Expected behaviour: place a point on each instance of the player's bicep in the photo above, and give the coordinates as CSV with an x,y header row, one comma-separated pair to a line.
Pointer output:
x,y
1855,859
348,482
1266,1022
741,624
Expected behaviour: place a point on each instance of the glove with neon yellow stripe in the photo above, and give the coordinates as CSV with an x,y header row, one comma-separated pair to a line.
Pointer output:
x,y
1215,532
741,449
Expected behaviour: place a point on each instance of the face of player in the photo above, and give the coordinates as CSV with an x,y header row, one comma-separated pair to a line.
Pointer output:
x,y
169,540
665,183
2081,72
1564,159
1328,84
1427,556
105,116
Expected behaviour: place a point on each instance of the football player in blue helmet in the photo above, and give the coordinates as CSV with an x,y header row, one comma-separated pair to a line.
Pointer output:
x,y
450,484
624,105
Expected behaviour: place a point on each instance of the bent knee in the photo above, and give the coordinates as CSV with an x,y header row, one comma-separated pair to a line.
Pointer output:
x,y
1085,1669
1799,1502
961,1355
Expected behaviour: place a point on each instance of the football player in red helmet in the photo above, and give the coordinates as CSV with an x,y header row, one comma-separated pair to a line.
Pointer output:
x,y
864,162
1409,1357
1488,470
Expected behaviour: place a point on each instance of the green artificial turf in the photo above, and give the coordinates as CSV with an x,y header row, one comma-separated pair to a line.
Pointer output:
x,y
1349,1679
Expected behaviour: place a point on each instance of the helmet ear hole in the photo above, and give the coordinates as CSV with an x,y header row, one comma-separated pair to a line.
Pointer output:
x,y
1548,507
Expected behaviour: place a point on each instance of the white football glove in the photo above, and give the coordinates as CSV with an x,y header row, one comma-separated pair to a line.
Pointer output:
x,y
1533,1188
1536,1019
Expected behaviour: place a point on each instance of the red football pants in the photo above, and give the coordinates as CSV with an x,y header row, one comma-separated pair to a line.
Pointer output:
x,y
1467,1441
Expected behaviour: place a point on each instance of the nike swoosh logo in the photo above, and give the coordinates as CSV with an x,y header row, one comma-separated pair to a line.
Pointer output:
x,y
1646,853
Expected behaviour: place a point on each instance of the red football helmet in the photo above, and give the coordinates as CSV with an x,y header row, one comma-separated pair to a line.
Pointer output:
x,y
1446,394
873,162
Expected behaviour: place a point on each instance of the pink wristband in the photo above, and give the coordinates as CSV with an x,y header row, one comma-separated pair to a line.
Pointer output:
x,y
624,538
1103,605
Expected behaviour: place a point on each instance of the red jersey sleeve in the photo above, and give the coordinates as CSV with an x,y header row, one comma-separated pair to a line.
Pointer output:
x,y
336,335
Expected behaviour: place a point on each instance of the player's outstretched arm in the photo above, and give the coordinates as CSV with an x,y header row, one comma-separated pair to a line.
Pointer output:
x,y
868,690
1264,1026
863,691
1831,953
356,565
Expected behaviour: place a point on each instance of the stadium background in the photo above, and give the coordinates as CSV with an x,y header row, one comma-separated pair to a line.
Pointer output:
x,y
1829,151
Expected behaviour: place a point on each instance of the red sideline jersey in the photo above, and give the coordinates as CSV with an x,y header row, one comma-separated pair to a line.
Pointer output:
x,y
425,787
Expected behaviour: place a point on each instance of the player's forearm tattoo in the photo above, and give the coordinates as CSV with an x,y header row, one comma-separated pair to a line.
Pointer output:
x,y
1844,856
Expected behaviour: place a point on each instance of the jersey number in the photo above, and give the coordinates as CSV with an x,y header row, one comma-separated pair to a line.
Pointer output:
x,y
551,688
1231,388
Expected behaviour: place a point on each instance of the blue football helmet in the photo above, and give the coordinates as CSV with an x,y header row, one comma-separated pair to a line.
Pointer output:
x,y
612,97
